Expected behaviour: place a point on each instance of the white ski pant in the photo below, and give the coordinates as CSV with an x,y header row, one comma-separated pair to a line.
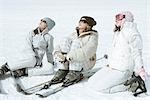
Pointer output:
x,y
29,62
108,80
70,66
46,69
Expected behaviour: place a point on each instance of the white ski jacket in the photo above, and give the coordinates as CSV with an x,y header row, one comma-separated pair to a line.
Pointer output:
x,y
126,52
81,49
41,43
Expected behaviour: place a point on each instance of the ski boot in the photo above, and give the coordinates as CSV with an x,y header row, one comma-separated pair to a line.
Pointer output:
x,y
136,83
58,78
4,69
72,77
20,72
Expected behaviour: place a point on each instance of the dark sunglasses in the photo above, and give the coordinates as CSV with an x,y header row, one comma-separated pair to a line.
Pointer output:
x,y
43,21
84,21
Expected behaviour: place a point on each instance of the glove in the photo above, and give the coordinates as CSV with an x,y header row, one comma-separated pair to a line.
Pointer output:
x,y
142,73
60,57
70,56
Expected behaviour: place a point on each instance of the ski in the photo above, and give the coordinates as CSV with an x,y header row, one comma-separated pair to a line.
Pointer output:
x,y
50,91
31,90
47,92
41,86
44,85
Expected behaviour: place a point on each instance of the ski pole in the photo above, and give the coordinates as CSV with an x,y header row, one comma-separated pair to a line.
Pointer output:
x,y
105,56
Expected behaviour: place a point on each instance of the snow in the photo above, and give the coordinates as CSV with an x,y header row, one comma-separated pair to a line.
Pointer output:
x,y
18,17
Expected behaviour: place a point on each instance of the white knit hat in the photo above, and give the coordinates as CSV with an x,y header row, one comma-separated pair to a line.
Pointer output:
x,y
128,16
50,22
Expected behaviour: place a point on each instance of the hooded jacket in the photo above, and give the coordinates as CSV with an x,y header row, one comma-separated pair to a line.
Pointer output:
x,y
126,52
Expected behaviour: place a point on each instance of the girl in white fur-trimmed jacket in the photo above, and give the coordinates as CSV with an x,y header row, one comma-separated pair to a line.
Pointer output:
x,y
125,57
77,52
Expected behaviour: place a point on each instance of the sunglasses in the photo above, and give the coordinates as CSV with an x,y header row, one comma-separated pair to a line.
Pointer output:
x,y
43,21
84,21
120,17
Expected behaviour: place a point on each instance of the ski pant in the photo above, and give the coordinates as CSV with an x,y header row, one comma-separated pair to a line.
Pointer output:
x,y
108,80
29,62
46,69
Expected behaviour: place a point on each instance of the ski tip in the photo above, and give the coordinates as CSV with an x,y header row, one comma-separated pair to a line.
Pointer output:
x,y
26,93
19,89
40,95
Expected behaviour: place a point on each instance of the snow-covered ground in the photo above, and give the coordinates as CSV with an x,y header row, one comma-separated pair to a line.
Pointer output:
x,y
18,17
